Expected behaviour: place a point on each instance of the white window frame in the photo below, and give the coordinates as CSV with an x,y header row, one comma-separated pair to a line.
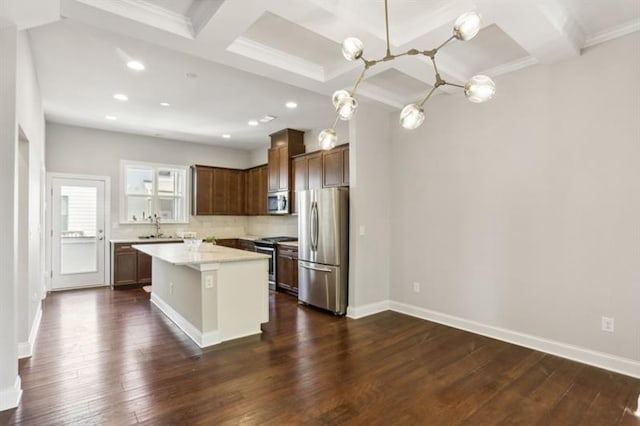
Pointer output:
x,y
124,164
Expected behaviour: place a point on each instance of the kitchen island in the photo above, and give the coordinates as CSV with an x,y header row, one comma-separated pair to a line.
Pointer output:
x,y
212,293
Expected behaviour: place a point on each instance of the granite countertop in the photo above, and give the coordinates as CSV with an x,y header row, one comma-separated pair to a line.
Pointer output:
x,y
288,243
143,240
179,254
164,239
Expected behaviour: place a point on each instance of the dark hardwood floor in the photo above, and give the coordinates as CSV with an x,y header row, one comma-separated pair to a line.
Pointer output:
x,y
109,357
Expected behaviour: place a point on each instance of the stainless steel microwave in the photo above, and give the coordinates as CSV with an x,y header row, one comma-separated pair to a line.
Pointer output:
x,y
278,202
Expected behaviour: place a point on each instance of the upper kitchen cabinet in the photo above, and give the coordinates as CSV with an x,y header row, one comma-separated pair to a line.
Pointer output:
x,y
335,170
284,145
307,174
256,191
218,191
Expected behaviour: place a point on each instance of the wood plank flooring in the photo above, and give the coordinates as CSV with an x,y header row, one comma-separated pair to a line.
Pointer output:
x,y
109,357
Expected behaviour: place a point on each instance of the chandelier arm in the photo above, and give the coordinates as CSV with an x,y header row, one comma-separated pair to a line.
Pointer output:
x,y
335,121
445,43
426,98
358,81
386,20
435,66
453,84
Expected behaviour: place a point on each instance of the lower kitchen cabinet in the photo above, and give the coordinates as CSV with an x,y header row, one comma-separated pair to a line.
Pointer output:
x,y
287,268
228,242
131,266
246,245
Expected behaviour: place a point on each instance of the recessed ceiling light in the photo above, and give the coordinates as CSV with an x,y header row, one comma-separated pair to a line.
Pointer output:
x,y
252,123
121,97
136,65
291,105
267,118
110,117
226,136
164,104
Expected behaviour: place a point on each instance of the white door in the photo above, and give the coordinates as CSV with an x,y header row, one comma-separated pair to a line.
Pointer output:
x,y
77,233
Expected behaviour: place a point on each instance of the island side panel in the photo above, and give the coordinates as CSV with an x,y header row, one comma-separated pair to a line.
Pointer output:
x,y
184,299
243,294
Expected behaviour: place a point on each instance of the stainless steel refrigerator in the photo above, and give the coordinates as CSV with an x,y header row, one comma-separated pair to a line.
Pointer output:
x,y
323,248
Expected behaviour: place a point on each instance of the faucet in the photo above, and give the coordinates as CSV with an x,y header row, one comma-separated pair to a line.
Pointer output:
x,y
155,220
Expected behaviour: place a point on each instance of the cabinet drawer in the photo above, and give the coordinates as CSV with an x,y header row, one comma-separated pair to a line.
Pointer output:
x,y
288,251
124,248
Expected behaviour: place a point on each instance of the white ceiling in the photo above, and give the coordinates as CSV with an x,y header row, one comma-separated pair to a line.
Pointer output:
x,y
251,56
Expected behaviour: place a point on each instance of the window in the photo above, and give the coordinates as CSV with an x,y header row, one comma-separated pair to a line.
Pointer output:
x,y
148,189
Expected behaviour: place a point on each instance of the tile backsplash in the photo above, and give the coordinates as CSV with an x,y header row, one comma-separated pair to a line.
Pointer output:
x,y
217,226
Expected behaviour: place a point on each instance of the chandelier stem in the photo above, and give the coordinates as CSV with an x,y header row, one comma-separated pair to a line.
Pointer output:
x,y
445,43
335,121
435,66
386,19
355,86
426,98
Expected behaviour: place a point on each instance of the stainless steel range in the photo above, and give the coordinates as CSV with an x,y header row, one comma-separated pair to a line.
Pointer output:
x,y
267,245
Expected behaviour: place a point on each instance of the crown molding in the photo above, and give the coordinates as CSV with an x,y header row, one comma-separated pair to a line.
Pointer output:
x,y
612,33
512,66
277,58
148,14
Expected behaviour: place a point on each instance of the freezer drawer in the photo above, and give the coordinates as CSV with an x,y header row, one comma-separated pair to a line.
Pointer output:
x,y
323,286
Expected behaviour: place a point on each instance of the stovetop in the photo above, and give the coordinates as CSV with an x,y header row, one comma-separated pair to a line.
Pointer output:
x,y
276,239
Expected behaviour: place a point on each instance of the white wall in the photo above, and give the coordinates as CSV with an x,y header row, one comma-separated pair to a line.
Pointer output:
x,y
9,392
80,150
30,118
369,164
523,213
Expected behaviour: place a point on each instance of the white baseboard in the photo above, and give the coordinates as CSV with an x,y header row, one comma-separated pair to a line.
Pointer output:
x,y
586,356
10,396
201,339
357,312
25,349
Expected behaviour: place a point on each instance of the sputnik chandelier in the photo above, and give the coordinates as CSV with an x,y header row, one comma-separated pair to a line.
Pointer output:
x,y
479,88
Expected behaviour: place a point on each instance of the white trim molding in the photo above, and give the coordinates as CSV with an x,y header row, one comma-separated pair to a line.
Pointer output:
x,y
610,362
10,397
357,312
25,349
612,33
201,339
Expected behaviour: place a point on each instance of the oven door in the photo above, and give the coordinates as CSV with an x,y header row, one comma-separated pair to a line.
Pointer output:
x,y
271,251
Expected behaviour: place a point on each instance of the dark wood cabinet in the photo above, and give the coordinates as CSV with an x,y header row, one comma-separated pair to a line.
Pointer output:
x,y
218,191
284,145
246,245
125,267
256,191
307,174
334,172
287,268
321,169
228,242
131,266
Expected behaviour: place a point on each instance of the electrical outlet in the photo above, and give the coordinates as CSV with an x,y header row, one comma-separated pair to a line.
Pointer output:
x,y
208,281
170,288
362,230
608,324
416,287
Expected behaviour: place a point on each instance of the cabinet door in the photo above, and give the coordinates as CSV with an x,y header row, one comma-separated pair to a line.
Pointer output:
x,y
315,171
203,191
220,191
274,169
235,192
228,242
333,168
283,158
125,266
262,191
144,268
345,167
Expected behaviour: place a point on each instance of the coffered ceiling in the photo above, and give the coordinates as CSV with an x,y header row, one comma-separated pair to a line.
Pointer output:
x,y
251,56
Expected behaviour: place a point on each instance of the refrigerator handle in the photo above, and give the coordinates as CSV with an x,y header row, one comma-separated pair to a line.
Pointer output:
x,y
315,268
314,226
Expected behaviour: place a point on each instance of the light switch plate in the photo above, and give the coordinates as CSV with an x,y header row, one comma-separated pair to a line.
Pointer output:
x,y
208,281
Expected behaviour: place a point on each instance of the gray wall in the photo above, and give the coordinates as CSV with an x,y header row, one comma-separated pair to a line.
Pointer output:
x,y
523,213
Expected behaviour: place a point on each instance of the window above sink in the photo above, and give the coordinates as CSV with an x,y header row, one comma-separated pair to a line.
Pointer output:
x,y
149,189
